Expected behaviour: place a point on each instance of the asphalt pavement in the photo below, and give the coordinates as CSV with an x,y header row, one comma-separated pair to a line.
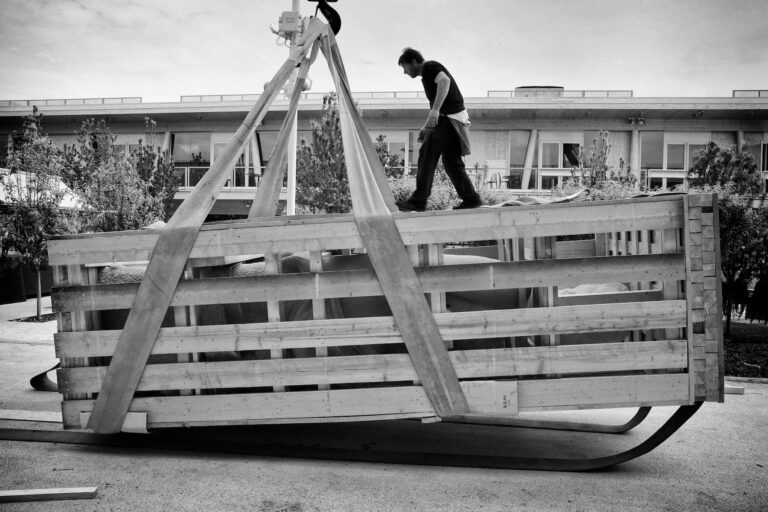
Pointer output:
x,y
718,460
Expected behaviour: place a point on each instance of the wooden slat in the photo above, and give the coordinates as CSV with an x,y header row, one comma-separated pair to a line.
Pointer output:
x,y
308,233
382,330
692,241
409,401
610,298
24,415
469,364
714,322
62,493
362,283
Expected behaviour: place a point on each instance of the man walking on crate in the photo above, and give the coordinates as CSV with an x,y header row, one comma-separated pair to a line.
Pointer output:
x,y
445,133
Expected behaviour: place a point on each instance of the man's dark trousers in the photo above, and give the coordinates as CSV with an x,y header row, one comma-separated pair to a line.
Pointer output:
x,y
442,140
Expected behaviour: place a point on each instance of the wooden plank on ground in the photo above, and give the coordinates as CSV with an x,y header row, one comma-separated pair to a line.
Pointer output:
x,y
55,494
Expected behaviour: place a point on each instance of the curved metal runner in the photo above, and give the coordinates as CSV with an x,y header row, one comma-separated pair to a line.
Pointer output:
x,y
192,441
638,418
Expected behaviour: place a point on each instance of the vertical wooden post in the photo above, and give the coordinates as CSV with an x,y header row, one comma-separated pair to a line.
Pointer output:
x,y
694,266
318,305
433,256
73,321
713,299
272,266
670,243
183,316
601,244
544,249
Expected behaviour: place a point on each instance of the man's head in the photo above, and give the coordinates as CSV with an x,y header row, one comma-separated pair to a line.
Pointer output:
x,y
411,61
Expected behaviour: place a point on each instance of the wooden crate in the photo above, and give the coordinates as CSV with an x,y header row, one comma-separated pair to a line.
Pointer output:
x,y
256,336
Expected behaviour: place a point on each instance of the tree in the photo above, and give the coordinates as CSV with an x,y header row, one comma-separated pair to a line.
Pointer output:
x,y
743,248
732,168
33,193
157,169
124,191
394,165
732,172
321,173
593,167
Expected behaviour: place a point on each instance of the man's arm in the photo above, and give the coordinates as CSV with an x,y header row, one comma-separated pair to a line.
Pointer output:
x,y
443,84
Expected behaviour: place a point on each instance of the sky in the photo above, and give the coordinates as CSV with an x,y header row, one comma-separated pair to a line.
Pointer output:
x,y
162,49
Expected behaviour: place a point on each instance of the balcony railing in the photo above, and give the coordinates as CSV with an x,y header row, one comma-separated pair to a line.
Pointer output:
x,y
542,180
240,177
70,101
750,93
561,93
368,95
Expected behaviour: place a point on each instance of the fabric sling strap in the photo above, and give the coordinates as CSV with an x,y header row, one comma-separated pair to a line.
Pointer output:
x,y
373,204
169,258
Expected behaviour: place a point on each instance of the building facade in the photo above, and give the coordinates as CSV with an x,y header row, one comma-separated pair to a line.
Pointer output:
x,y
526,139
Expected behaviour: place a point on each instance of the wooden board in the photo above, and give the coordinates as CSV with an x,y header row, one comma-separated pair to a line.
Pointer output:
x,y
411,401
363,283
314,233
382,330
469,364
62,493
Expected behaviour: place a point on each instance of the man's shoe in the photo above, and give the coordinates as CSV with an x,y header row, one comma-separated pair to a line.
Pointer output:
x,y
409,206
466,205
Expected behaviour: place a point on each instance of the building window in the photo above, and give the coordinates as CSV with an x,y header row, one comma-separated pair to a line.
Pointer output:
x,y
652,150
675,157
3,150
239,167
560,155
764,164
550,155
192,149
694,152
570,155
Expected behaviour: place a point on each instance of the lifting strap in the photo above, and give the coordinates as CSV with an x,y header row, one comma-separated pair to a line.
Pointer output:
x,y
372,206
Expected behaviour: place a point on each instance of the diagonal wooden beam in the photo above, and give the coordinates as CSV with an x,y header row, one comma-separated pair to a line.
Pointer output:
x,y
169,258
372,207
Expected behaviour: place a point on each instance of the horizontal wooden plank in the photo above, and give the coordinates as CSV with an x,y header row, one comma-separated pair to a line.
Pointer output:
x,y
313,233
469,364
363,283
25,415
532,395
382,330
61,493
610,298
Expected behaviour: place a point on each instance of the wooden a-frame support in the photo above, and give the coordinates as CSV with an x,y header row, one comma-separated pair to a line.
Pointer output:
x,y
373,206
